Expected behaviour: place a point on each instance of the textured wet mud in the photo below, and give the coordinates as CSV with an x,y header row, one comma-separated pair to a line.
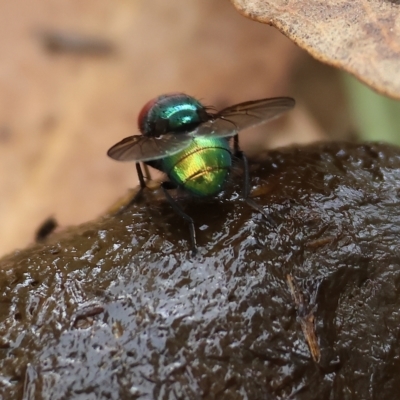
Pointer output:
x,y
307,309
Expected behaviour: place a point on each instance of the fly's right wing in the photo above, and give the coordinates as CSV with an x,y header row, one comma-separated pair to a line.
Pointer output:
x,y
231,120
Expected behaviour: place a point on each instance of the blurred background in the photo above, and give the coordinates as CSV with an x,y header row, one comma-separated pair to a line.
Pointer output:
x,y
74,76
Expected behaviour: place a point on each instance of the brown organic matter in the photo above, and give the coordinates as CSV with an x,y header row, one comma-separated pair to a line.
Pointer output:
x,y
118,308
359,36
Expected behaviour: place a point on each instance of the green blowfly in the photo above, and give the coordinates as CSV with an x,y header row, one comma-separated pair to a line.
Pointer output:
x,y
191,144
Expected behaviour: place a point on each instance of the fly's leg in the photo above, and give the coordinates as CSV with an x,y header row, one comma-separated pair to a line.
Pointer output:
x,y
168,186
246,182
146,174
140,175
236,144
139,193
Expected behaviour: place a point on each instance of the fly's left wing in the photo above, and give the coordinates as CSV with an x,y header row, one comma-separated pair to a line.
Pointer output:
x,y
231,120
144,148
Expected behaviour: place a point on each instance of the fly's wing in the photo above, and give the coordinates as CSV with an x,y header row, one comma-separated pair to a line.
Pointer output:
x,y
231,120
144,148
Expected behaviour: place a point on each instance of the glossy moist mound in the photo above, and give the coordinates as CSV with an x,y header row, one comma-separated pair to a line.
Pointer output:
x,y
118,308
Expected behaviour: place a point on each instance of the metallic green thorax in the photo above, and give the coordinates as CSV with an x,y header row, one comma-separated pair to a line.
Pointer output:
x,y
202,168
181,115
171,113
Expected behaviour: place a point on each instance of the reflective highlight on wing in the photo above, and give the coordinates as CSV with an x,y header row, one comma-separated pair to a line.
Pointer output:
x,y
145,148
217,127
231,120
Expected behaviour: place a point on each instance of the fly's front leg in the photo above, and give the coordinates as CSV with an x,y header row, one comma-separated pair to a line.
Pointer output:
x,y
246,185
140,175
146,174
140,191
168,186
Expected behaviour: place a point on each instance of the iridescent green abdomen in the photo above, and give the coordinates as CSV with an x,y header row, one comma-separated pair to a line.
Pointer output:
x,y
202,168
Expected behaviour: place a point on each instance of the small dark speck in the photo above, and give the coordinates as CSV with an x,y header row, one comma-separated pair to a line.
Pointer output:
x,y
75,43
45,229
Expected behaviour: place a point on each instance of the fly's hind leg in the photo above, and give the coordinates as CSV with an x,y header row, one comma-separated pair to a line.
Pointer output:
x,y
168,186
246,183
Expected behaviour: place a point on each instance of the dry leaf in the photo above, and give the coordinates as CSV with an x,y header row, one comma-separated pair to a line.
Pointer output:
x,y
359,36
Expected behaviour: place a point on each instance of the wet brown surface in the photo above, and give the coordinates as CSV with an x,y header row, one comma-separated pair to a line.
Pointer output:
x,y
118,309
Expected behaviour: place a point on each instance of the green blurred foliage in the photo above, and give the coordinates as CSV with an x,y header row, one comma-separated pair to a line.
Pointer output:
x,y
377,116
